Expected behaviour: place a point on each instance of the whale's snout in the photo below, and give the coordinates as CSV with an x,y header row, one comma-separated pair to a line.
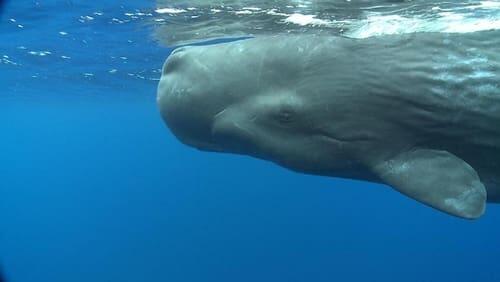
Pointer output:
x,y
184,103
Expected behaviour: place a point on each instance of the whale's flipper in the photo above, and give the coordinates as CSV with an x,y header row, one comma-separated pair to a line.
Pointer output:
x,y
438,179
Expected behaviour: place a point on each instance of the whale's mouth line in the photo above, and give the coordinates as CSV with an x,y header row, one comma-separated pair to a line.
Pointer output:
x,y
343,141
205,146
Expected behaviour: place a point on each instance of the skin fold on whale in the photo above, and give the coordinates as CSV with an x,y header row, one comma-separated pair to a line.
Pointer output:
x,y
418,112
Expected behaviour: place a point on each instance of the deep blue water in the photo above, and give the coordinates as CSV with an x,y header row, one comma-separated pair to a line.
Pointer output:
x,y
93,186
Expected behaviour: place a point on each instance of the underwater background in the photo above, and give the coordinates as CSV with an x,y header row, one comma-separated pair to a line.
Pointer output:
x,y
94,187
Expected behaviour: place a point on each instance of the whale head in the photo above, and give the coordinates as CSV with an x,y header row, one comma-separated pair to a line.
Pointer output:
x,y
309,105
215,103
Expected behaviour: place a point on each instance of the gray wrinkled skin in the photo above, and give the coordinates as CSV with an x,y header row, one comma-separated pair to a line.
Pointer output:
x,y
418,112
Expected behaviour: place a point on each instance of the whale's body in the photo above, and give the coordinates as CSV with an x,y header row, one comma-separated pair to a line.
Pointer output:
x,y
418,112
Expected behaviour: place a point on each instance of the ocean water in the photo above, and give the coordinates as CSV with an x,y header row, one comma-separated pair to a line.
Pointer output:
x,y
94,187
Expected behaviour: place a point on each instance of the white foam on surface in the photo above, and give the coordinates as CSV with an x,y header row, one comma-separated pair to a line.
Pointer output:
x,y
243,12
170,11
486,5
303,20
451,22
40,53
359,19
252,8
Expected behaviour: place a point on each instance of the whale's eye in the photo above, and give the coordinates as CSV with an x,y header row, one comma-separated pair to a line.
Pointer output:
x,y
285,115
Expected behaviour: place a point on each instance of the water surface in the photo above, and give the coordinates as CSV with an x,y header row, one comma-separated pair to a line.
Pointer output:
x,y
93,187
